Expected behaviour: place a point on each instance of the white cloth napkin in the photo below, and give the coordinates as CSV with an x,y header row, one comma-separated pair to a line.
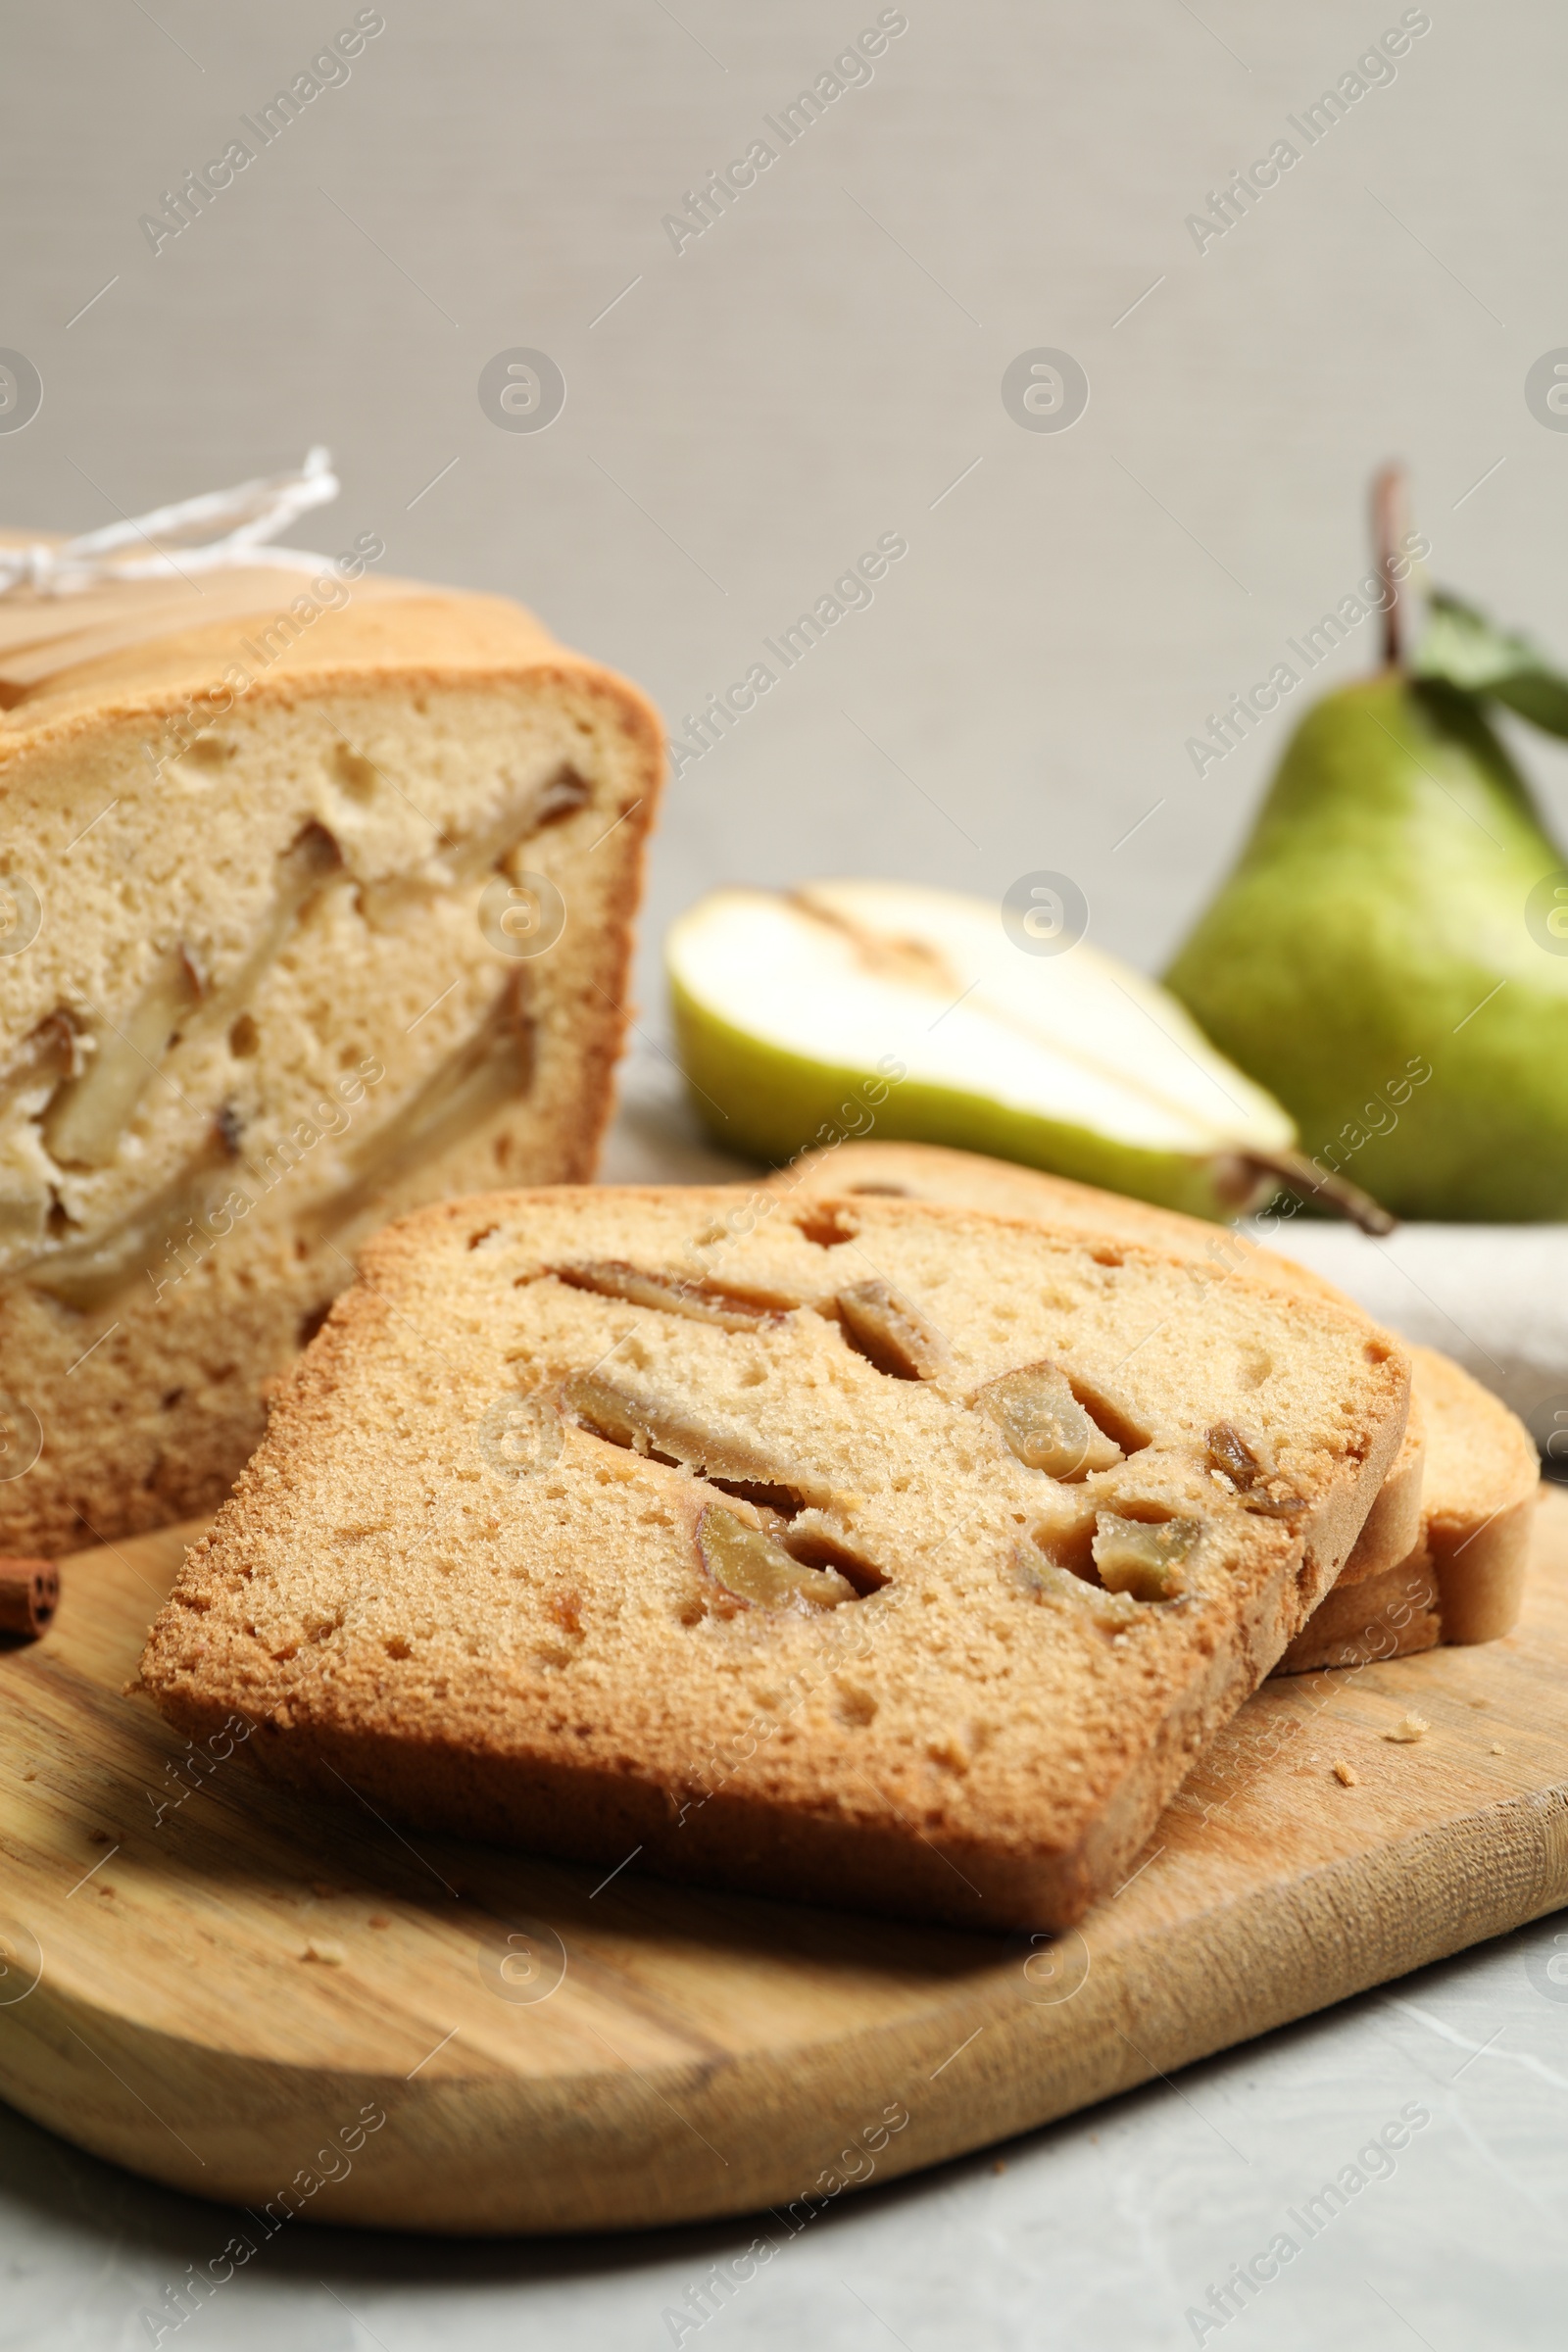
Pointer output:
x,y
1494,1297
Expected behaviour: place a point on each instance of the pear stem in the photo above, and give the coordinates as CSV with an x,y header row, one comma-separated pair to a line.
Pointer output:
x,y
1309,1182
1390,516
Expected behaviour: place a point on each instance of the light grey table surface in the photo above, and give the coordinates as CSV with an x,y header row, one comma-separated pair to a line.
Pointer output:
x,y
743,416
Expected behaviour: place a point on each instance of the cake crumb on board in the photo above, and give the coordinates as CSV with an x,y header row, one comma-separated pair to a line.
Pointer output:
x,y
1347,1775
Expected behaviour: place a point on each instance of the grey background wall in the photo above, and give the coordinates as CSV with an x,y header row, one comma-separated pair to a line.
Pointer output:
x,y
824,364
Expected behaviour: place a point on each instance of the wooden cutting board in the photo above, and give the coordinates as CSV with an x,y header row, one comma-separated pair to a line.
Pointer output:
x,y
300,2009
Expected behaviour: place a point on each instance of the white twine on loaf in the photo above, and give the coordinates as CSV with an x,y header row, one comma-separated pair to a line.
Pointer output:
x,y
214,532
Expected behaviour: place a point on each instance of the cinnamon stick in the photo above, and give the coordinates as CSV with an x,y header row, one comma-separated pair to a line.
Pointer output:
x,y
30,1594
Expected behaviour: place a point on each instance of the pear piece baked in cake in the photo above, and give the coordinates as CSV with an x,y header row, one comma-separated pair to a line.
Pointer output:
x,y
1443,1554
286,956
1003,1188
866,1552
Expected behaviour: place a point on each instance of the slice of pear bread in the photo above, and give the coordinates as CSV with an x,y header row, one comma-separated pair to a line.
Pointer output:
x,y
1456,1510
1464,1581
865,1551
305,952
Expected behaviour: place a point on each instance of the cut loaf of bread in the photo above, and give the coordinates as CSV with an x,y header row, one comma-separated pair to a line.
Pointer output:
x,y
1443,1554
289,882
866,1552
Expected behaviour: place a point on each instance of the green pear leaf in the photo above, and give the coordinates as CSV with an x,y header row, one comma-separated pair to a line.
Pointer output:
x,y
1462,648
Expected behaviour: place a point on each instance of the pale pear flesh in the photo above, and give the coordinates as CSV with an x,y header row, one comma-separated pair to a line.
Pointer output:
x,y
860,1006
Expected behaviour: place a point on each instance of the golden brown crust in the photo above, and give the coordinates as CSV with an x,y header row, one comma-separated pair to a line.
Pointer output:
x,y
1463,1581
1394,1614
1394,1524
435,634
536,1651
1481,1500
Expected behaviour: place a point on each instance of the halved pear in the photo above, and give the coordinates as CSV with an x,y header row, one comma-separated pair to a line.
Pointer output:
x,y
859,1007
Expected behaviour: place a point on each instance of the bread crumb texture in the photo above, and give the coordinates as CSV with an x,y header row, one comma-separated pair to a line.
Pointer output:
x,y
871,1552
1410,1728
1347,1774
358,944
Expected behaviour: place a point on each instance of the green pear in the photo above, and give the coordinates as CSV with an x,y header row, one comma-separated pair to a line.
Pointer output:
x,y
878,1007
1389,956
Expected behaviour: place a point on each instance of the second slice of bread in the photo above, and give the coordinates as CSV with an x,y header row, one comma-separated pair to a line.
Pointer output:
x,y
1464,1580
655,1525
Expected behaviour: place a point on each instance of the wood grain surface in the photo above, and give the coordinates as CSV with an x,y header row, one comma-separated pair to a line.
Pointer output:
x,y
302,2010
